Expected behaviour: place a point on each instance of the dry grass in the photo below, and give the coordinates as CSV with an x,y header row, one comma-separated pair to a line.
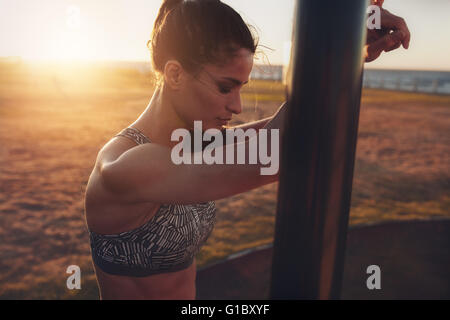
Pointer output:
x,y
53,122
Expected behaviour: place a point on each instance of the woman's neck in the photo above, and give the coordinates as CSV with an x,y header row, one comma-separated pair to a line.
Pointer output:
x,y
159,119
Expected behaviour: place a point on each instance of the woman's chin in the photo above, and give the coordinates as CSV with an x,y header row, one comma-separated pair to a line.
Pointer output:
x,y
215,125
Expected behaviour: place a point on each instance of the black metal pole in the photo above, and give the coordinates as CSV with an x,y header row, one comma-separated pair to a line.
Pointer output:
x,y
318,149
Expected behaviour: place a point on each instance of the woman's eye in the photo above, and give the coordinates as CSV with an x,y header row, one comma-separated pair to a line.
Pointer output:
x,y
224,90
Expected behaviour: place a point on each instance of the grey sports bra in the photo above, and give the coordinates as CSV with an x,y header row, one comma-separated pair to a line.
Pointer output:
x,y
167,242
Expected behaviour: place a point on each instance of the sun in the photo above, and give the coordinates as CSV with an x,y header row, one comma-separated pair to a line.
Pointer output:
x,y
70,45
71,42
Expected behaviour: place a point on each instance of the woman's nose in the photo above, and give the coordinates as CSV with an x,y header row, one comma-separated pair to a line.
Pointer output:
x,y
235,105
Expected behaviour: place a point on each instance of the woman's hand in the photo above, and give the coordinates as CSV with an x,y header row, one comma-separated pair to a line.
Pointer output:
x,y
393,33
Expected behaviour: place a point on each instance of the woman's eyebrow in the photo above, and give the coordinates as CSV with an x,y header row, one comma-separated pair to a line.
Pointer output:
x,y
235,81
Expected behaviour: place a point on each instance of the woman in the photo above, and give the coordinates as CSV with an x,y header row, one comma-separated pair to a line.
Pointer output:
x,y
148,217
142,247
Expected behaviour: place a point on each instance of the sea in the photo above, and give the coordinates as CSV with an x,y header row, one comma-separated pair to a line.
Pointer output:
x,y
437,82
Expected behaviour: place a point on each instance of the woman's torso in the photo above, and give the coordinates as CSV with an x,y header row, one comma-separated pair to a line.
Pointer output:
x,y
107,216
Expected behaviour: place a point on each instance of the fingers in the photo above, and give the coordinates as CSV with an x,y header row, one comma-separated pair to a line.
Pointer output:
x,y
404,33
407,37
381,44
393,33
393,22
396,46
387,43
369,56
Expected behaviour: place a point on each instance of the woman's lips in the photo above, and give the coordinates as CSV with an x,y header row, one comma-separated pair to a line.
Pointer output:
x,y
225,120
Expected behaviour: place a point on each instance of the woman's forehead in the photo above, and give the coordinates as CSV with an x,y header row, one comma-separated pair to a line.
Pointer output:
x,y
237,66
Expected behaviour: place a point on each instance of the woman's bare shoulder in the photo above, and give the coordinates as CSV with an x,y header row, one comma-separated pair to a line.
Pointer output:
x,y
101,203
110,152
113,149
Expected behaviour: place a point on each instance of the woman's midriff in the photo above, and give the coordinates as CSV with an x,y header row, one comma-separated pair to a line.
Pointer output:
x,y
178,285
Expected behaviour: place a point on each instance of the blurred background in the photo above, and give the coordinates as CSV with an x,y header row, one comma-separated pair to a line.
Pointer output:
x,y
75,73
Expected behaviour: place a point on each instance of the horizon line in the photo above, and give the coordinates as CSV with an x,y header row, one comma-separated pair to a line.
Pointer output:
x,y
88,61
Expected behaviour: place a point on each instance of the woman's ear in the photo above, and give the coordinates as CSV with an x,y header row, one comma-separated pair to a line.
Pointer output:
x,y
173,74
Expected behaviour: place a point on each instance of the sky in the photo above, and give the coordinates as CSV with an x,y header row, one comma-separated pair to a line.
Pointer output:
x,y
119,30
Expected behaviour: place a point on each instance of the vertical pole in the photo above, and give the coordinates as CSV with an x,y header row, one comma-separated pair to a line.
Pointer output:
x,y
318,149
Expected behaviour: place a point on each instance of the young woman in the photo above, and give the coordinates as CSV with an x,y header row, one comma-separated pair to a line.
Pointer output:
x,y
148,217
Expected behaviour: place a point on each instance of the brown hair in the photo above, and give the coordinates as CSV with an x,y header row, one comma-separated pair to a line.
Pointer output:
x,y
195,32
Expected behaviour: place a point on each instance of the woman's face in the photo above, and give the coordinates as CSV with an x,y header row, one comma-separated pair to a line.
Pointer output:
x,y
213,96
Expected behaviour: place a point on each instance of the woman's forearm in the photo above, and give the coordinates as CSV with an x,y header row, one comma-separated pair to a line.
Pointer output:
x,y
277,120
258,124
273,122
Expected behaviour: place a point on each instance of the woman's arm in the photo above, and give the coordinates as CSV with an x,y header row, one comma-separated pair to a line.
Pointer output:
x,y
258,124
146,173
266,123
273,122
277,120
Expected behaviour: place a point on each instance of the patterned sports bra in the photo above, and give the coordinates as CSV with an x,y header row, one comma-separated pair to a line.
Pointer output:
x,y
167,242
